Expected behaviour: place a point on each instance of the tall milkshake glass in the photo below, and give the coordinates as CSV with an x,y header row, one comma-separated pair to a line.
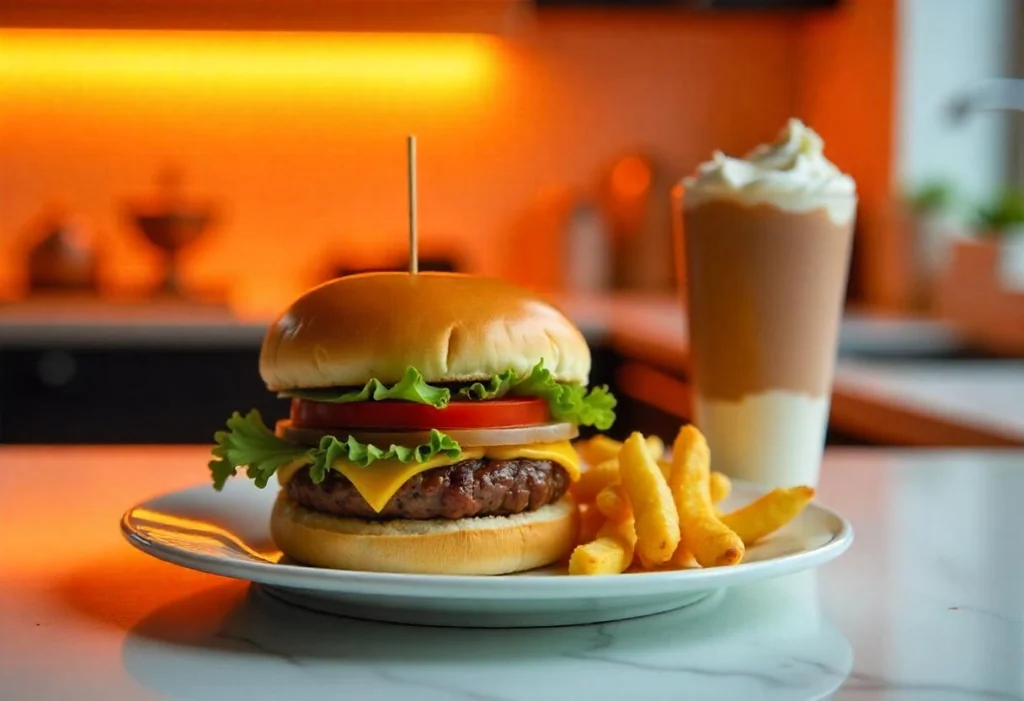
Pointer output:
x,y
765,245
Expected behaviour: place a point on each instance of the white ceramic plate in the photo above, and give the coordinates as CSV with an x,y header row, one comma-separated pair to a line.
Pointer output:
x,y
227,533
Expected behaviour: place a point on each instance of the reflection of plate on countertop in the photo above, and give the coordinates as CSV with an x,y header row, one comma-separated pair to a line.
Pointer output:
x,y
768,641
227,533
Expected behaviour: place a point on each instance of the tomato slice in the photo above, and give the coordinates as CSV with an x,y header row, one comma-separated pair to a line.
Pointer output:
x,y
491,413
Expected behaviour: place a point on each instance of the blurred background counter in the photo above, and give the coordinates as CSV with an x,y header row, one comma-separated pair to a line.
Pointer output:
x,y
172,373
173,173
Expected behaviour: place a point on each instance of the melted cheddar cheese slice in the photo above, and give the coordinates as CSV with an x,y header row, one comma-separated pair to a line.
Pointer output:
x,y
379,482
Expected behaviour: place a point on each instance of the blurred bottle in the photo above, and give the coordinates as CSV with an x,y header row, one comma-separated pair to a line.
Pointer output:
x,y
635,196
587,253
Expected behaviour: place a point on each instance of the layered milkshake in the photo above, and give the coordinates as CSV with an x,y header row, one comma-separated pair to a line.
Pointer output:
x,y
766,242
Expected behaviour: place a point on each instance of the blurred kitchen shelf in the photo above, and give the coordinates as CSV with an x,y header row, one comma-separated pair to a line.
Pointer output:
x,y
86,323
94,323
135,372
91,371
694,4
931,403
471,16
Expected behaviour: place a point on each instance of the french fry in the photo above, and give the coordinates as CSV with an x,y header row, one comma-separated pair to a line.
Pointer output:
x,y
682,559
655,446
712,543
721,487
612,503
657,521
666,467
591,521
598,449
601,556
623,530
769,513
595,479
610,553
637,508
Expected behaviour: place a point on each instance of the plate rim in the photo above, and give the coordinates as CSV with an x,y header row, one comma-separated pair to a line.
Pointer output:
x,y
478,586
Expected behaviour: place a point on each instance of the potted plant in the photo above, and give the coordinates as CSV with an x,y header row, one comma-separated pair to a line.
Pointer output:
x,y
1000,224
929,231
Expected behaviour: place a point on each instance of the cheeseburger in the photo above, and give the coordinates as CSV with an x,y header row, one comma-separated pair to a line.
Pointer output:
x,y
430,427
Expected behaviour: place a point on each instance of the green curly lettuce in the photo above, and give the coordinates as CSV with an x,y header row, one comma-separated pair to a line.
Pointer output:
x,y
411,388
568,402
248,443
496,387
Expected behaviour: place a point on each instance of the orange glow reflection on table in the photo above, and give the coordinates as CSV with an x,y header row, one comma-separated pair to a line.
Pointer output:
x,y
272,61
67,545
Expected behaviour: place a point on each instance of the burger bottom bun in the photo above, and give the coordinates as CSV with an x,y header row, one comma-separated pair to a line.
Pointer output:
x,y
468,546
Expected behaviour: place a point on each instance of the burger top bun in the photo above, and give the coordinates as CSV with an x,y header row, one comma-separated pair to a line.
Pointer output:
x,y
450,327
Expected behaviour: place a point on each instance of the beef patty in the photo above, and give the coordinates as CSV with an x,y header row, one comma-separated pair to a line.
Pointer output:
x,y
468,488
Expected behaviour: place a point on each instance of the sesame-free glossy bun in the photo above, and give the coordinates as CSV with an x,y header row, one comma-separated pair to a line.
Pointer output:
x,y
469,546
450,327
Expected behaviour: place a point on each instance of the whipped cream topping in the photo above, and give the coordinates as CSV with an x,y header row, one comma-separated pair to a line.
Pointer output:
x,y
791,173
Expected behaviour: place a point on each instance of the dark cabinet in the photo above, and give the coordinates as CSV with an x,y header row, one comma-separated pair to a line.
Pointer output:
x,y
127,395
151,394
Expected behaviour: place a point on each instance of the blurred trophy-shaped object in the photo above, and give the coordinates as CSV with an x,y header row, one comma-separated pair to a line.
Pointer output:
x,y
171,221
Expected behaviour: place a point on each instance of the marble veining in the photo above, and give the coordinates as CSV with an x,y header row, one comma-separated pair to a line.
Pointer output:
x,y
1013,620
416,683
247,642
805,657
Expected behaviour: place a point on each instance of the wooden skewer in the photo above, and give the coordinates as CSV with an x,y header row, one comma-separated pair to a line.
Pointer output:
x,y
414,256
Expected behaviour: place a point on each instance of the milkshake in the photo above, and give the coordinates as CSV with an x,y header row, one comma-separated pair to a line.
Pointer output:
x,y
766,243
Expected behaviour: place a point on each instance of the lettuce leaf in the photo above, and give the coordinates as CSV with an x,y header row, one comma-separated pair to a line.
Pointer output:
x,y
411,388
568,402
364,454
496,387
248,443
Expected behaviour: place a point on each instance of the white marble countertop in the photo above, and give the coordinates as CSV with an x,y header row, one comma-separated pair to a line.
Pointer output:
x,y
927,604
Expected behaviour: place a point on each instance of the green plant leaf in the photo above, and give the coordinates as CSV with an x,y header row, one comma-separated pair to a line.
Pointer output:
x,y
1002,215
931,197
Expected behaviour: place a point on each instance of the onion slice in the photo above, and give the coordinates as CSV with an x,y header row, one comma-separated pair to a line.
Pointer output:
x,y
467,438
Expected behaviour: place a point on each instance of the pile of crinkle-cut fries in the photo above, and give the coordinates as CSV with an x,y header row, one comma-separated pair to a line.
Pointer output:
x,y
639,510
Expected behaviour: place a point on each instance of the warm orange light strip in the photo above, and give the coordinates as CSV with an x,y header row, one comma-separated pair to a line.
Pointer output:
x,y
266,61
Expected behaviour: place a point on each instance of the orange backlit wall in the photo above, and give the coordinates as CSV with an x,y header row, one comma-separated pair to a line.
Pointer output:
x,y
301,135
846,85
